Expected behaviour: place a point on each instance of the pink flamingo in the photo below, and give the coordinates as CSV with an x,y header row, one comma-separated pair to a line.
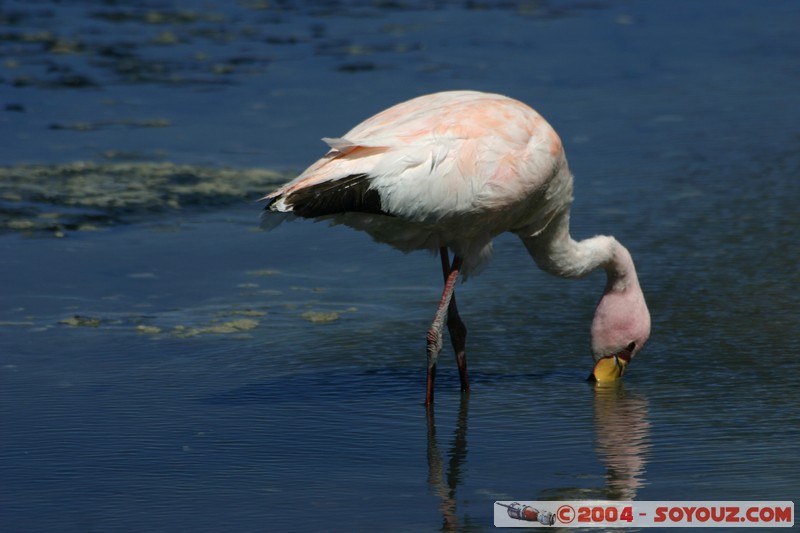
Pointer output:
x,y
452,170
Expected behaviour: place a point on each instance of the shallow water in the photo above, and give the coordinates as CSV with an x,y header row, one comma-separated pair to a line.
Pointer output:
x,y
167,366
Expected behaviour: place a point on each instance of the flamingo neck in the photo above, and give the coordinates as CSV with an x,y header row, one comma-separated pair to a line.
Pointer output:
x,y
557,253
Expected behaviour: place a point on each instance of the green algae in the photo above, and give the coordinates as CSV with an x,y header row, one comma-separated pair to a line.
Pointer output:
x,y
240,325
264,272
81,321
320,317
85,196
148,330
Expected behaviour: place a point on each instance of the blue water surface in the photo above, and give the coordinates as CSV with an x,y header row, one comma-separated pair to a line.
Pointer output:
x,y
182,370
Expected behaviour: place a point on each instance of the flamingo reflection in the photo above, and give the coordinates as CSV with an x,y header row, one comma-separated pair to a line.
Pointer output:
x,y
445,481
622,439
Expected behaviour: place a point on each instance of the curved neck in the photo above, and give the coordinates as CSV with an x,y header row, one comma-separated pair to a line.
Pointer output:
x,y
557,253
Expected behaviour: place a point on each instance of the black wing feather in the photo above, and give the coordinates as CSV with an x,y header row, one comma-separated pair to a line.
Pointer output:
x,y
350,194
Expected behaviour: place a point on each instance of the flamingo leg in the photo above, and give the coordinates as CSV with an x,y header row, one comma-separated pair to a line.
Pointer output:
x,y
435,332
456,327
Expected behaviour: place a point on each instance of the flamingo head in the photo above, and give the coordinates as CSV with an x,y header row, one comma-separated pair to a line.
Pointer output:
x,y
620,328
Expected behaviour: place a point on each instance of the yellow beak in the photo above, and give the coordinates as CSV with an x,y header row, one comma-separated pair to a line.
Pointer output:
x,y
609,368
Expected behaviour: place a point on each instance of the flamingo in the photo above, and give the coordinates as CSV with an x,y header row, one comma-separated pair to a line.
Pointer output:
x,y
450,171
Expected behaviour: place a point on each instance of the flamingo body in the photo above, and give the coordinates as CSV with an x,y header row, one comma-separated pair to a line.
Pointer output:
x,y
450,171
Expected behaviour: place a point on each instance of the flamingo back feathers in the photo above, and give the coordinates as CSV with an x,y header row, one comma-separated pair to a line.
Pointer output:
x,y
457,168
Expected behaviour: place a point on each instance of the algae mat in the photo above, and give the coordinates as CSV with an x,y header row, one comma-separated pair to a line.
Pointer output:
x,y
80,196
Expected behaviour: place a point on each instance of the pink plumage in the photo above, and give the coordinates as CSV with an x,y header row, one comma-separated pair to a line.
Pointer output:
x,y
452,170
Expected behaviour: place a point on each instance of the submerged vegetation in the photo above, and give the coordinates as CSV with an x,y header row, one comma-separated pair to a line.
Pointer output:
x,y
55,199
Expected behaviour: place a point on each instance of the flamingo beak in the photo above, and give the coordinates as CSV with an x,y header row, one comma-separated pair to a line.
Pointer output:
x,y
611,367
